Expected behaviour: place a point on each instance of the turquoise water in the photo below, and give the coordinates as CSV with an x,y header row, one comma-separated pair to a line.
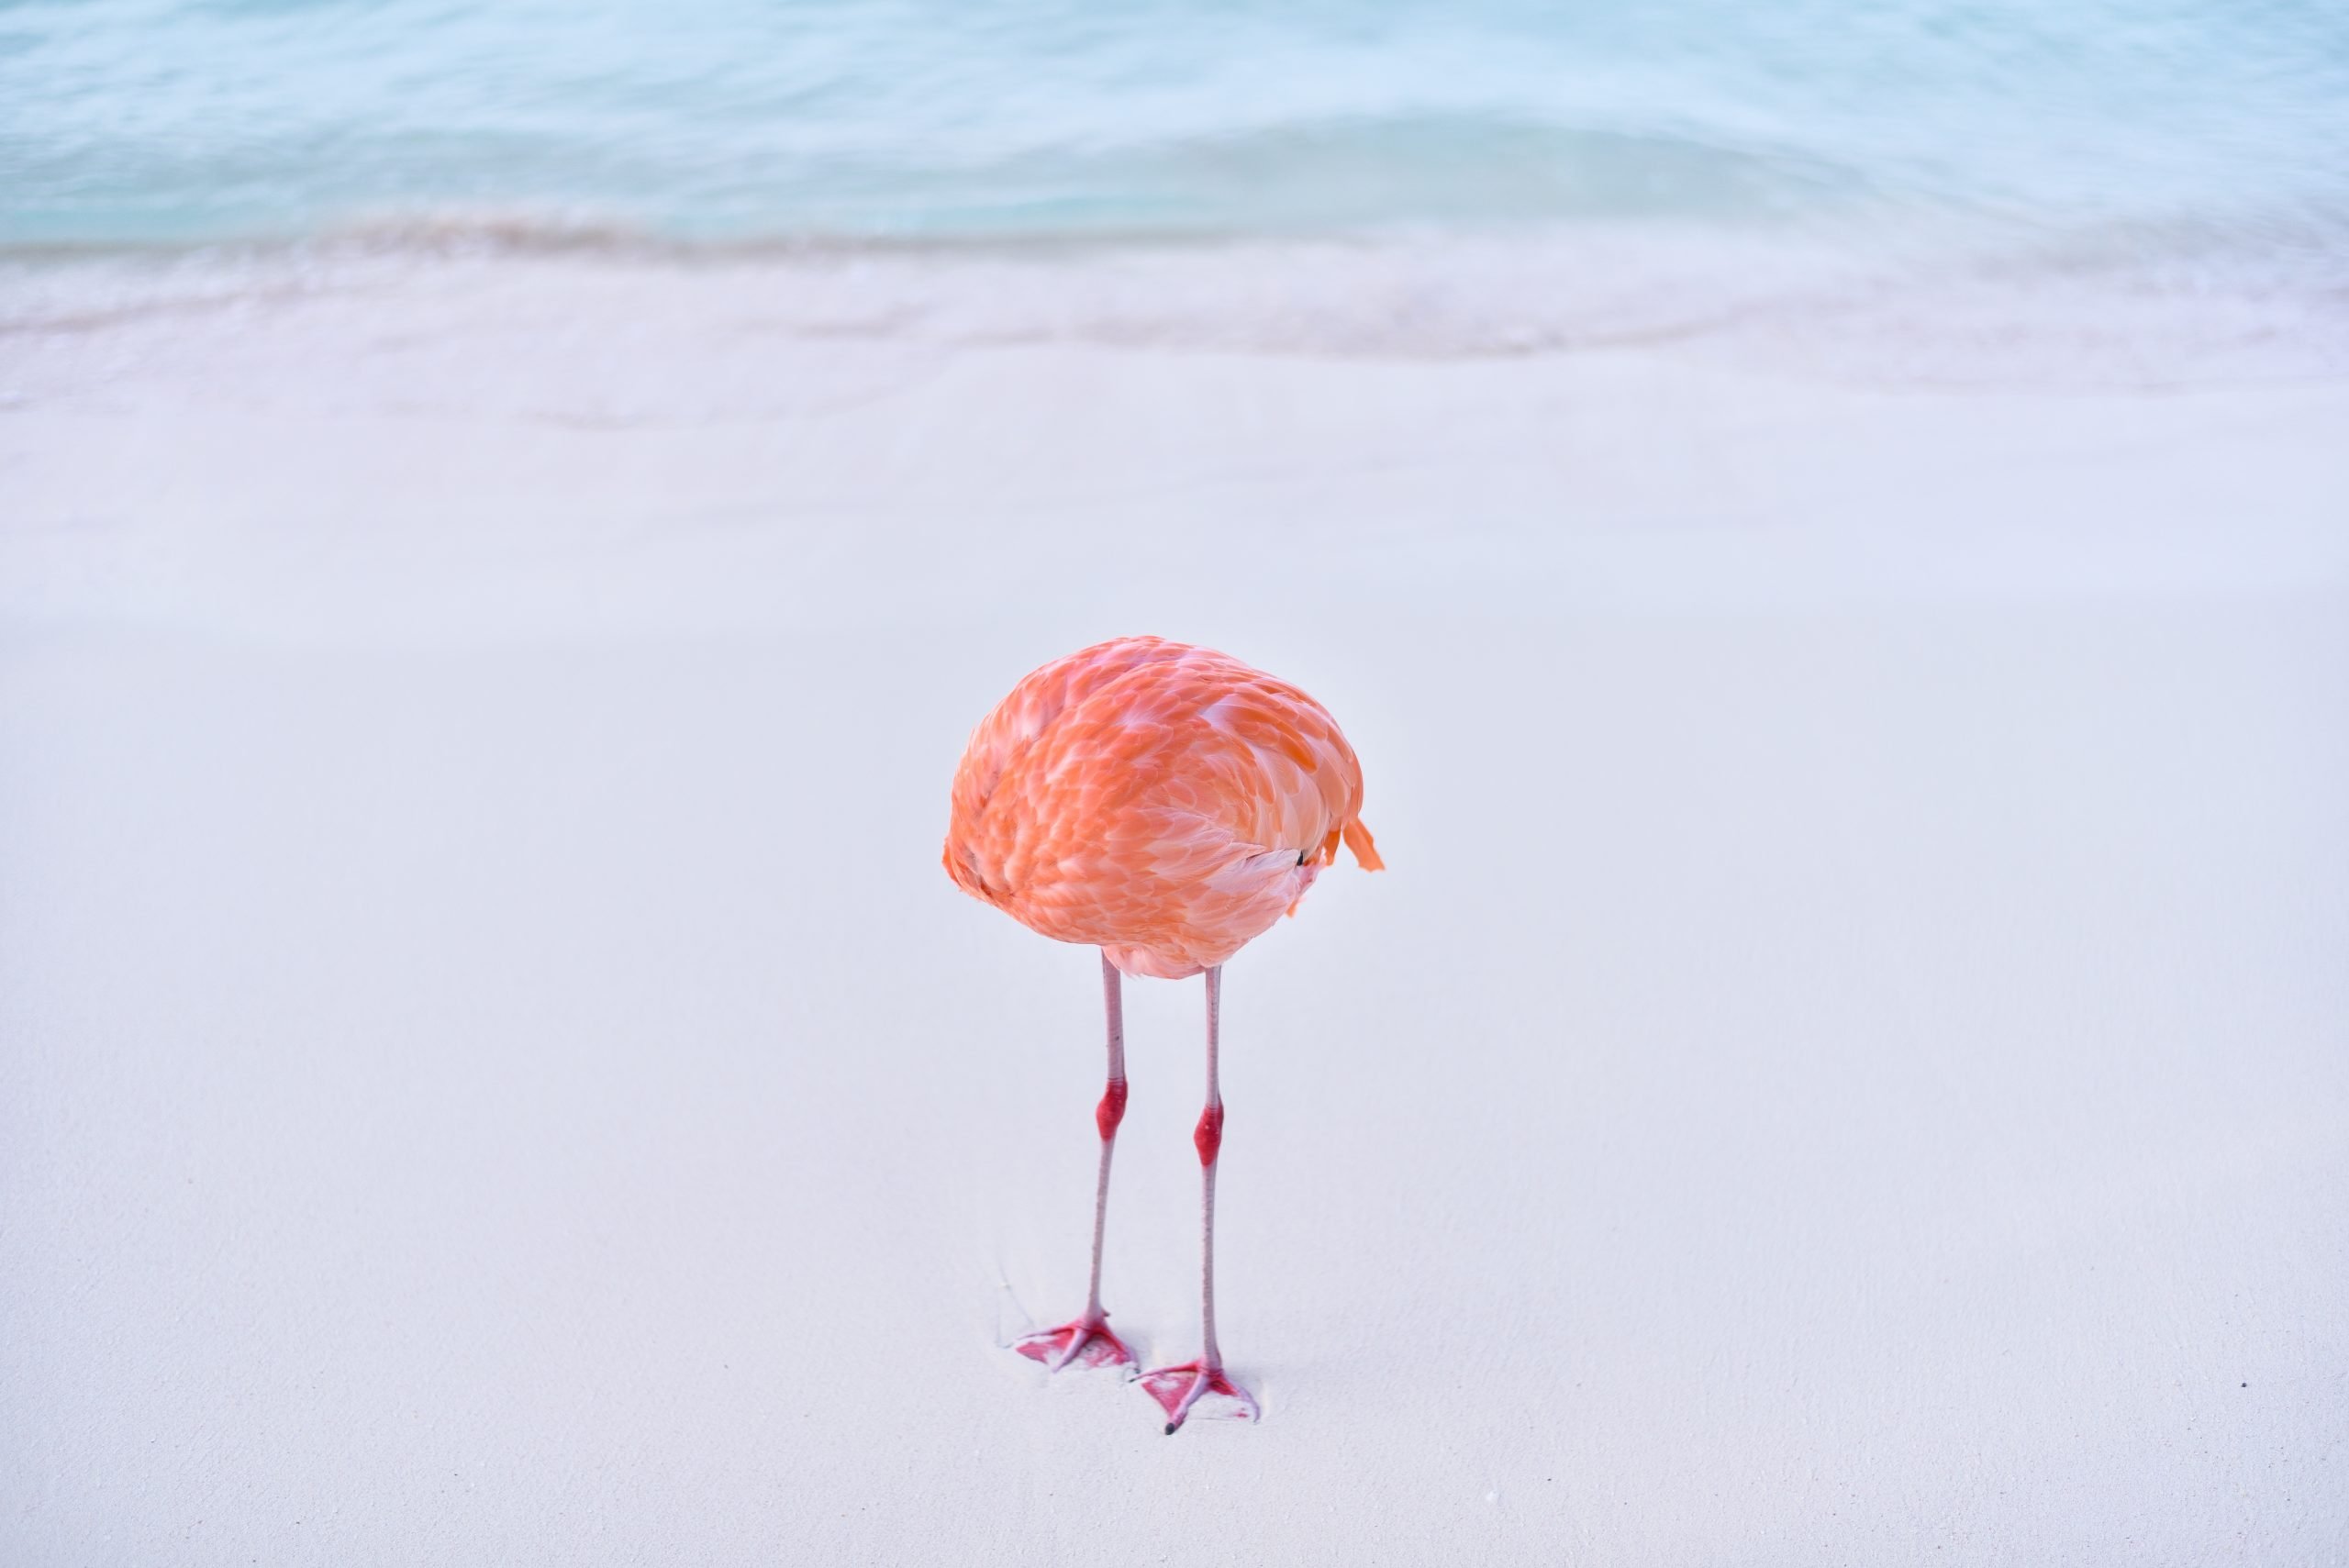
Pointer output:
x,y
175,121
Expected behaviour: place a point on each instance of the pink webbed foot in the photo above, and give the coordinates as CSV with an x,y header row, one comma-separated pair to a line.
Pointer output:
x,y
1086,1342
1196,1388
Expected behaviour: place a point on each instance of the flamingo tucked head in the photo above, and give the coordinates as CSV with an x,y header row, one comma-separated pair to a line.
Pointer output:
x,y
1163,802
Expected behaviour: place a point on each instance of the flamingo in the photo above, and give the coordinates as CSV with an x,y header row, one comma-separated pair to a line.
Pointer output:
x,y
1165,804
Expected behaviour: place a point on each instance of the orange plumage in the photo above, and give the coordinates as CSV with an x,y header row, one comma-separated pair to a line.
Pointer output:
x,y
1160,801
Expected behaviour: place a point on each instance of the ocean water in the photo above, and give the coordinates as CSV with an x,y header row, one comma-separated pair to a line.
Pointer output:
x,y
174,120
1597,169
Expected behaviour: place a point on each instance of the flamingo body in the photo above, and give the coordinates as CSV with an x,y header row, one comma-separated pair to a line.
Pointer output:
x,y
1161,802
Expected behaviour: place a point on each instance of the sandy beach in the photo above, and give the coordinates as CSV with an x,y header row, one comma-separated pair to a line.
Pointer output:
x,y
1846,1066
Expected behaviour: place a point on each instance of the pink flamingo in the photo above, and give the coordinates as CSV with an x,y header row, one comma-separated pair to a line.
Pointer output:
x,y
1165,804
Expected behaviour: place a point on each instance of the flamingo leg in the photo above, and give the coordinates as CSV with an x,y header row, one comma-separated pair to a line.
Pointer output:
x,y
1179,1388
1087,1341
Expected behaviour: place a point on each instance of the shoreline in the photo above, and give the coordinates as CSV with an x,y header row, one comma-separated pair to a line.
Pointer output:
x,y
1873,304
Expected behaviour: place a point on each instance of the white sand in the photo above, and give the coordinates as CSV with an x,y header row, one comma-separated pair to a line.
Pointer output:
x,y
1850,1065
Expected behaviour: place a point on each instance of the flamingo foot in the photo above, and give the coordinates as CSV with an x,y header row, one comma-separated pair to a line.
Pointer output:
x,y
1196,1388
1086,1342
